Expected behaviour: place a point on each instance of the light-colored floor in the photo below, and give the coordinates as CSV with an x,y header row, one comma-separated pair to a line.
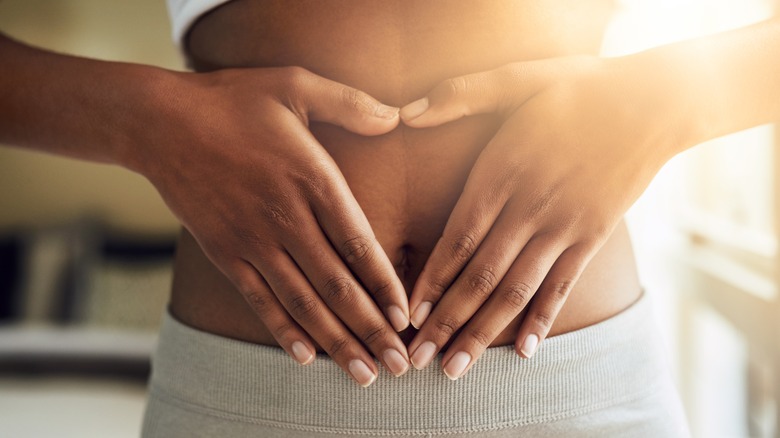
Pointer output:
x,y
70,407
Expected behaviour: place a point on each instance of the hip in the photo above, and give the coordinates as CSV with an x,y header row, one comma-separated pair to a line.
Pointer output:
x,y
202,297
608,379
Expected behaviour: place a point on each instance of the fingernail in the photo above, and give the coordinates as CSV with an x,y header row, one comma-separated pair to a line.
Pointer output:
x,y
457,365
395,361
386,112
397,318
414,109
421,314
424,355
302,353
361,373
529,345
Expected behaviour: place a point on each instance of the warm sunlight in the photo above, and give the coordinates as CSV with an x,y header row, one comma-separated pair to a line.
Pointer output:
x,y
439,218
710,214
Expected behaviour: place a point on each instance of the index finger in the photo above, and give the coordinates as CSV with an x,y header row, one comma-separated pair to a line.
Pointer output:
x,y
472,217
346,226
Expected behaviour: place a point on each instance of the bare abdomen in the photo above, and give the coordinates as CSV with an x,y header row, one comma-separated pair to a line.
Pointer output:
x,y
408,180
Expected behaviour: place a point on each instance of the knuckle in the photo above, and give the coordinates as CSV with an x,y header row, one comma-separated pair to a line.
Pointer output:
x,y
356,99
339,290
438,285
294,83
602,231
382,293
505,180
245,285
446,326
463,246
541,203
356,249
482,282
373,334
257,300
303,306
281,330
561,288
480,337
296,75
321,183
517,294
455,86
338,345
251,237
313,179
222,254
278,213
569,224
543,318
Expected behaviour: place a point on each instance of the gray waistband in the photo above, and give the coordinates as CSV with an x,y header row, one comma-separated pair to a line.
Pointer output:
x,y
611,362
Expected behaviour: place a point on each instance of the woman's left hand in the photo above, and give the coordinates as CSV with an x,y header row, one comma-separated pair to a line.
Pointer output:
x,y
582,138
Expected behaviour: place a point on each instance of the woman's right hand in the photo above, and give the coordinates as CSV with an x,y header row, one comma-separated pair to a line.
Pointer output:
x,y
232,156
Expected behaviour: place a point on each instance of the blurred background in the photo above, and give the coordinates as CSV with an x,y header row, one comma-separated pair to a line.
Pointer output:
x,y
85,249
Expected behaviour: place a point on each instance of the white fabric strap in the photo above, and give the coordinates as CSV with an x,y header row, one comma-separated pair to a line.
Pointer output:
x,y
183,14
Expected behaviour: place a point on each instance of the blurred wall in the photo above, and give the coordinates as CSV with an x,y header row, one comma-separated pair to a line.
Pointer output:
x,y
39,189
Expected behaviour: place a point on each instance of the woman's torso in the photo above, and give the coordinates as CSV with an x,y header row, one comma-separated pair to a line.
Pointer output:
x,y
406,181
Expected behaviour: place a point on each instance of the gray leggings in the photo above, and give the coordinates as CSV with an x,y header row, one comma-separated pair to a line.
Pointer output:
x,y
609,379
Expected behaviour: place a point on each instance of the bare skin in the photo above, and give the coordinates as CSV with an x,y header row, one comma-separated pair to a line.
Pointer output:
x,y
406,181
318,215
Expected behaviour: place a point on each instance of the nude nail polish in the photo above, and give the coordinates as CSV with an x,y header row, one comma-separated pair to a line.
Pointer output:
x,y
361,372
414,109
386,112
302,353
529,345
421,314
457,365
395,362
397,318
423,356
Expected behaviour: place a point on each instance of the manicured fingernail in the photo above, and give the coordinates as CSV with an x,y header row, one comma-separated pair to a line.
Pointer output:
x,y
414,109
457,365
421,314
529,345
302,353
395,362
424,355
397,318
361,372
386,112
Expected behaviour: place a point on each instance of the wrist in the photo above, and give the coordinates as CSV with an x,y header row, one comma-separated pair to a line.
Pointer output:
x,y
152,117
662,102
87,109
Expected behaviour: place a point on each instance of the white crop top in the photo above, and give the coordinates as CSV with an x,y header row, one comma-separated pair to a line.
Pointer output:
x,y
183,14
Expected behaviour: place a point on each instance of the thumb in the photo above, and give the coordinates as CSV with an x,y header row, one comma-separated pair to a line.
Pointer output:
x,y
331,102
493,91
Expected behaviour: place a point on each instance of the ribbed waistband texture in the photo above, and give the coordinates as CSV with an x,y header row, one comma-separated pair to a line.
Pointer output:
x,y
614,361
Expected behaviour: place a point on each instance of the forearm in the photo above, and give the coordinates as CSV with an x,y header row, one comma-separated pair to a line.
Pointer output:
x,y
717,85
73,106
